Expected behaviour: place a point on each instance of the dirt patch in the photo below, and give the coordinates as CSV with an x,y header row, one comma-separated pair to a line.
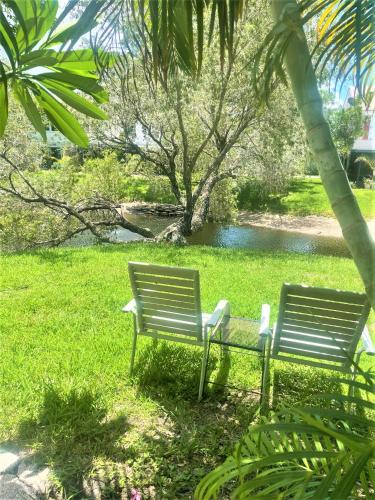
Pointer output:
x,y
310,224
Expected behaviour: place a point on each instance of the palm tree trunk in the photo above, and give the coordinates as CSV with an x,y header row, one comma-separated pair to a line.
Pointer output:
x,y
332,173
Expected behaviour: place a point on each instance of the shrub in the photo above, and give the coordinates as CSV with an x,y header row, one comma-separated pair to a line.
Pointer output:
x,y
223,202
254,195
141,188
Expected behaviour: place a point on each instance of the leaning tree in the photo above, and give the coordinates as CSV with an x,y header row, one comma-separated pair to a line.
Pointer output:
x,y
196,133
345,47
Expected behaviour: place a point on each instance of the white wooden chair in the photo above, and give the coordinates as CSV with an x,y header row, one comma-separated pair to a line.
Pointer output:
x,y
167,306
319,327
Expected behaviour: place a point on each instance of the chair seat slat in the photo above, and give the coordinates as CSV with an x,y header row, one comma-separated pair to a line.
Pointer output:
x,y
156,325
309,362
160,310
315,339
327,294
172,316
329,313
291,327
307,352
174,338
320,323
161,280
179,307
324,304
166,297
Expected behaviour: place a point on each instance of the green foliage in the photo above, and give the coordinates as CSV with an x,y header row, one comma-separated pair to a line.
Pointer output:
x,y
255,195
28,33
151,189
101,177
177,36
223,202
346,125
114,179
365,172
303,452
303,196
22,224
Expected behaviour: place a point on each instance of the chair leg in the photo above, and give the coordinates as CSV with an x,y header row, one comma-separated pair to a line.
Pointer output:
x,y
265,387
134,346
203,370
353,376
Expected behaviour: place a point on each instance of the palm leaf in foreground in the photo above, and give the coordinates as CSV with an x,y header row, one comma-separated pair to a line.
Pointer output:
x,y
45,80
344,47
301,453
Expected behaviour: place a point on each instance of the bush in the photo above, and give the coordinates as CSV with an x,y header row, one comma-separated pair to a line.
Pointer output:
x,y
223,202
142,188
110,178
255,195
23,224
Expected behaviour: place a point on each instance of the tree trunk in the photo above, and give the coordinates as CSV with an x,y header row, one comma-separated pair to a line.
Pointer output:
x,y
334,178
201,213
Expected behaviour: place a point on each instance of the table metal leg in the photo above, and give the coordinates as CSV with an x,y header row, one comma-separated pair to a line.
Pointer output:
x,y
206,367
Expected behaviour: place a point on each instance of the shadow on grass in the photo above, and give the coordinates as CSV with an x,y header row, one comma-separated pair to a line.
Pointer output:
x,y
163,453
301,385
70,431
192,437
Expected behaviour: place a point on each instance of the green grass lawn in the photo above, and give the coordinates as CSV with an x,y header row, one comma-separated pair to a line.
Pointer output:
x,y
307,197
65,392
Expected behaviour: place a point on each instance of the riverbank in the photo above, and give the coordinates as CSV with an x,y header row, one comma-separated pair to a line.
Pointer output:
x,y
309,224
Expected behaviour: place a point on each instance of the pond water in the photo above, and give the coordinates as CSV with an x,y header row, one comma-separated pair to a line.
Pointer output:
x,y
232,236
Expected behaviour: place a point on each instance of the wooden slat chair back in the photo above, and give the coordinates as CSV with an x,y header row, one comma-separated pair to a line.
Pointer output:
x,y
320,324
167,306
168,301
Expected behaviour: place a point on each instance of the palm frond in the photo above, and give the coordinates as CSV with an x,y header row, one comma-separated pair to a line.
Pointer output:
x,y
344,46
311,452
173,29
28,31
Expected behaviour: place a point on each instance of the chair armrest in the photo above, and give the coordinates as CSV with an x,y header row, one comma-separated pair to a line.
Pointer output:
x,y
131,307
221,309
367,342
265,320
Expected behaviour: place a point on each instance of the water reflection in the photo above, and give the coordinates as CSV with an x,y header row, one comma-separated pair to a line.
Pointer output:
x,y
231,236
268,239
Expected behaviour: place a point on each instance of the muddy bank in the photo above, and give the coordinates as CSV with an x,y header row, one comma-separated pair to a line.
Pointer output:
x,y
309,224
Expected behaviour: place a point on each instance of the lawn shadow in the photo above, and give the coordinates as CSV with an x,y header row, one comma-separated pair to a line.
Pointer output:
x,y
70,431
166,370
301,385
192,437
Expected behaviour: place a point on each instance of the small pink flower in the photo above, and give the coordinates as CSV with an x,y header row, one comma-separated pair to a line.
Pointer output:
x,y
135,495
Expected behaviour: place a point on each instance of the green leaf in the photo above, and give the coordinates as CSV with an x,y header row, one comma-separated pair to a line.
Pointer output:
x,y
74,100
37,20
346,485
7,40
72,33
22,94
82,60
64,35
87,85
3,106
62,119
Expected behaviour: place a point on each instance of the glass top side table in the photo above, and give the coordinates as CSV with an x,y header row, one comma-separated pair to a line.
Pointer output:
x,y
242,334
